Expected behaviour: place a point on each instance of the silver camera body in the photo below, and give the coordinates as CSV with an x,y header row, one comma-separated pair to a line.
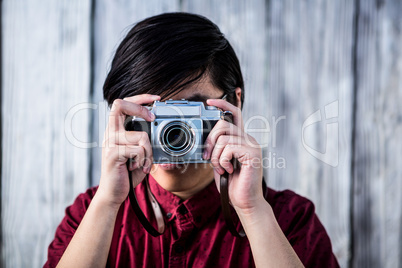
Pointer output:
x,y
179,131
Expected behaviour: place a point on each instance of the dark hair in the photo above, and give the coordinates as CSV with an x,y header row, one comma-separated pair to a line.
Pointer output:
x,y
163,54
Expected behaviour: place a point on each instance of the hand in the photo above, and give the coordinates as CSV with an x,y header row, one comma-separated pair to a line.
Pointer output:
x,y
227,142
120,145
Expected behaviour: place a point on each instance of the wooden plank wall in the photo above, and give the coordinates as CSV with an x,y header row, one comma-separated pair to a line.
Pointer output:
x,y
377,185
325,75
46,72
310,73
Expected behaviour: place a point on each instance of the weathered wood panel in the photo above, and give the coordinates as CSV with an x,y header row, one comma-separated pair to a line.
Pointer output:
x,y
243,23
45,73
300,72
112,21
310,96
247,25
377,209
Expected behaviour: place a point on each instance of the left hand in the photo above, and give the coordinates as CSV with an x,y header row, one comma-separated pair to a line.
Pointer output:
x,y
228,141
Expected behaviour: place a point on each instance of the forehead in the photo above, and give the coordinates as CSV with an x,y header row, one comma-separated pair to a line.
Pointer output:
x,y
199,91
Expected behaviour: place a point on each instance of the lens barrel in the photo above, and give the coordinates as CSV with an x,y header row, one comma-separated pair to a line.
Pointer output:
x,y
177,138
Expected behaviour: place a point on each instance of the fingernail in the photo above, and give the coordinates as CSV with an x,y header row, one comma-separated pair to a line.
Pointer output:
x,y
230,170
205,154
151,115
219,170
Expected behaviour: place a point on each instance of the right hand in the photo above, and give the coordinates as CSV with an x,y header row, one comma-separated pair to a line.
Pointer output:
x,y
120,145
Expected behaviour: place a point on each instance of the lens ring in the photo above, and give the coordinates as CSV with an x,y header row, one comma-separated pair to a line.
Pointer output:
x,y
177,138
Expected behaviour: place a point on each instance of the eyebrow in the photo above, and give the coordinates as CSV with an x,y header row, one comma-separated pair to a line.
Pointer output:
x,y
198,97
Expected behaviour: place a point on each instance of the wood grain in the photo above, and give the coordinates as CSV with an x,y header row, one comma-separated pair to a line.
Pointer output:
x,y
112,21
46,73
247,25
321,76
310,71
377,178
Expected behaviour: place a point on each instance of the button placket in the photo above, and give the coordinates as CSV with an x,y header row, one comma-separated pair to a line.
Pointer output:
x,y
185,226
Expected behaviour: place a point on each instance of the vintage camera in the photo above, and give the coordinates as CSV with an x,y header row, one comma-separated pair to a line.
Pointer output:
x,y
180,129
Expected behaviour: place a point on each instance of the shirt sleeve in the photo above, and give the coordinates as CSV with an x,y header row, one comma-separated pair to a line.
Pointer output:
x,y
66,229
308,237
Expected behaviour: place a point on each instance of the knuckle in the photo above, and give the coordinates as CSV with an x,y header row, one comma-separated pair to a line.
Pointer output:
x,y
224,162
222,141
214,161
129,138
141,152
117,103
221,126
142,138
222,123
142,110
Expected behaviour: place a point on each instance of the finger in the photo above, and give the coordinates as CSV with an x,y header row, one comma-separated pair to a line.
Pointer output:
x,y
217,150
136,159
121,108
135,154
121,153
221,144
142,98
225,159
134,139
226,106
127,138
243,157
148,156
221,128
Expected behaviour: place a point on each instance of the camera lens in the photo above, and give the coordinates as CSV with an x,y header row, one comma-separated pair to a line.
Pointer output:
x,y
177,138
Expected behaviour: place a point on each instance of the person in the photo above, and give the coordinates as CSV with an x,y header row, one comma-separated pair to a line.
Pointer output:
x,y
184,56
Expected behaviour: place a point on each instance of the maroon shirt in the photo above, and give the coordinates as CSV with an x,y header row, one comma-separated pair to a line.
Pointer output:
x,y
196,234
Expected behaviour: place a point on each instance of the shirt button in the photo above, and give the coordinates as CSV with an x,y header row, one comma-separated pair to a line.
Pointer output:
x,y
183,210
169,215
179,249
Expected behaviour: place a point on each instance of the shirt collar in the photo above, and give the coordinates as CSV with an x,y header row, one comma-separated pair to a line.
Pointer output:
x,y
201,206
